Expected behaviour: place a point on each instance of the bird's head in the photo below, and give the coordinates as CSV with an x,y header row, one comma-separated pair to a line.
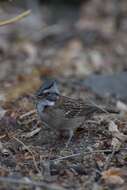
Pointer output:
x,y
48,91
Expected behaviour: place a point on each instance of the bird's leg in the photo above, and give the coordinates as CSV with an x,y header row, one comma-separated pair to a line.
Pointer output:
x,y
71,133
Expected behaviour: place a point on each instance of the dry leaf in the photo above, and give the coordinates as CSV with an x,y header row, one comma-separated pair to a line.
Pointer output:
x,y
116,144
121,106
114,176
113,128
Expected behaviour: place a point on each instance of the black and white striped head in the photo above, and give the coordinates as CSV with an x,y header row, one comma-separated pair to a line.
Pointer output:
x,y
49,90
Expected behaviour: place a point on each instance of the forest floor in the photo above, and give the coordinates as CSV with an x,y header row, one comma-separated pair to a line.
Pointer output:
x,y
83,48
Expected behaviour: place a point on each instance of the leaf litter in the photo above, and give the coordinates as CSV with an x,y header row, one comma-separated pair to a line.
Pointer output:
x,y
31,155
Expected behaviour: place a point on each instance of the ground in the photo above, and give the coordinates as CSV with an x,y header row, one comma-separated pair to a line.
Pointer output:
x,y
89,39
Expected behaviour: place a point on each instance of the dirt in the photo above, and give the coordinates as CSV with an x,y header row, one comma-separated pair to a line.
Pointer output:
x,y
32,156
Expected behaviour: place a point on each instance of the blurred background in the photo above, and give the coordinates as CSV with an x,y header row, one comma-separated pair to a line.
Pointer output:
x,y
83,45
78,42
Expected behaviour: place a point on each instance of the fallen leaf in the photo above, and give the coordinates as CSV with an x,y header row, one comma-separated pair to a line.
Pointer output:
x,y
116,144
121,106
114,176
113,128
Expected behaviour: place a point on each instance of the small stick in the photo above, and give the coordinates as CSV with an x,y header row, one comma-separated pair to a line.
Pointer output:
x,y
27,114
81,153
15,19
84,153
34,161
32,133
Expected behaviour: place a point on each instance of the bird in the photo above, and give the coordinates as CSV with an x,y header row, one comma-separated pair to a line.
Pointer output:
x,y
60,112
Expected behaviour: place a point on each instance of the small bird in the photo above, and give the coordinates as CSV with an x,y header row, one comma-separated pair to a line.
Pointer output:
x,y
61,112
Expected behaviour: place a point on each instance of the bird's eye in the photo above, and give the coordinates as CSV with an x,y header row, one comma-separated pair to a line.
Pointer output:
x,y
46,93
42,94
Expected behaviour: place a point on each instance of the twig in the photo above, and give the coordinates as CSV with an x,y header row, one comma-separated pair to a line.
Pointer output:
x,y
27,118
81,153
32,133
34,160
15,19
30,183
28,114
84,153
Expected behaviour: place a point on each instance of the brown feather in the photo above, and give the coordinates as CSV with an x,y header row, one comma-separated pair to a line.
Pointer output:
x,y
75,108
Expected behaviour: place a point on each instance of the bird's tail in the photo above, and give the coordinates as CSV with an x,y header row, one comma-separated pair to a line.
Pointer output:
x,y
111,110
100,109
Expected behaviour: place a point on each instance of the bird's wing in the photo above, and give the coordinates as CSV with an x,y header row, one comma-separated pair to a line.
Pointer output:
x,y
75,108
